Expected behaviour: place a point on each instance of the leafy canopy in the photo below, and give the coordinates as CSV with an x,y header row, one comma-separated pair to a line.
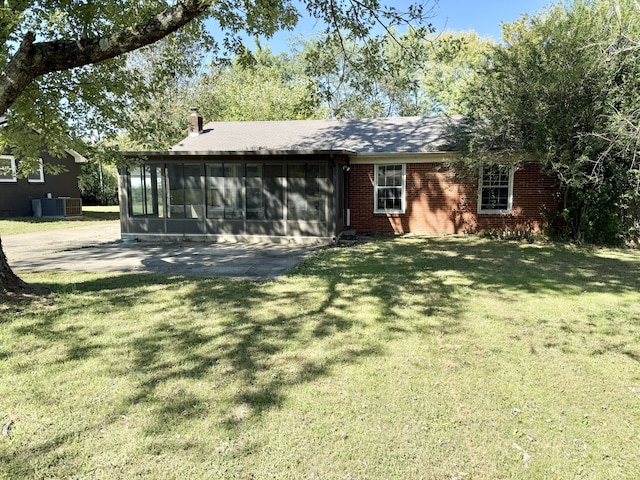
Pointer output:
x,y
416,73
67,75
563,90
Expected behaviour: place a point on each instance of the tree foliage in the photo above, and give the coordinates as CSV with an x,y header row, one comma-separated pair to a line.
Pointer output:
x,y
170,72
562,90
269,87
416,73
98,183
66,73
68,76
272,87
331,77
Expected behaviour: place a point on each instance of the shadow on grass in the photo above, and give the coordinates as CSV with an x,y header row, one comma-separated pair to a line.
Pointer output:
x,y
255,341
87,216
497,265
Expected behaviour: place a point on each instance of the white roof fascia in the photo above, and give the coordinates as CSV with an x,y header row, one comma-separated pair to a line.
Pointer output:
x,y
403,157
76,156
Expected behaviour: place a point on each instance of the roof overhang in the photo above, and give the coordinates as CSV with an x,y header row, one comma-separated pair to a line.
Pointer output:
x,y
232,153
353,157
356,157
76,156
403,157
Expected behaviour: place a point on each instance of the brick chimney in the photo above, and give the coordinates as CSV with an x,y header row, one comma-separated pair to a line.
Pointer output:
x,y
195,123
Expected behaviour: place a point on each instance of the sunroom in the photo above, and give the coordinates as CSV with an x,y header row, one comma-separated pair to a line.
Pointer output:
x,y
275,196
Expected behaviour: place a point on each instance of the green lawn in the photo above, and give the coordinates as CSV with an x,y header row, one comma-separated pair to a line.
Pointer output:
x,y
434,358
90,216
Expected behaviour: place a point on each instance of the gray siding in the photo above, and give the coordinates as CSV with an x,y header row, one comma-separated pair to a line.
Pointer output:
x,y
15,197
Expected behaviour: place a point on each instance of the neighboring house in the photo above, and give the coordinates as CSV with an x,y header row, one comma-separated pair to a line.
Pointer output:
x,y
56,195
40,194
316,178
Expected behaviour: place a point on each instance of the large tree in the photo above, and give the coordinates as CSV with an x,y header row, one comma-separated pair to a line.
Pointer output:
x,y
414,73
563,90
269,87
272,87
64,67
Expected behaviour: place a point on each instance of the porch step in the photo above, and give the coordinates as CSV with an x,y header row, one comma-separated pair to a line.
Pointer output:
x,y
346,235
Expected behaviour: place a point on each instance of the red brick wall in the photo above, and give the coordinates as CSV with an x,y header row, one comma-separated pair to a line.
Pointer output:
x,y
437,202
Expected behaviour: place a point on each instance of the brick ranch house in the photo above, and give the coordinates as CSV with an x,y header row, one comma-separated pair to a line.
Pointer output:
x,y
313,179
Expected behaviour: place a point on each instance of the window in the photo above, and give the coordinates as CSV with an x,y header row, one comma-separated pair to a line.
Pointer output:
x,y
146,191
38,175
224,191
184,188
495,190
389,188
7,168
307,192
274,191
255,198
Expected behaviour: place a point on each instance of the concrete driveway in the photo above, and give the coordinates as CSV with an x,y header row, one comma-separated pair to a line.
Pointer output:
x,y
90,249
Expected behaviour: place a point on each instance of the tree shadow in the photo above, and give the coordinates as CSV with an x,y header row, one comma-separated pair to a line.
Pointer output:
x,y
86,217
254,342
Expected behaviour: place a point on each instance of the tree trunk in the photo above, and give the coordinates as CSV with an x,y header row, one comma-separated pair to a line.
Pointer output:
x,y
10,283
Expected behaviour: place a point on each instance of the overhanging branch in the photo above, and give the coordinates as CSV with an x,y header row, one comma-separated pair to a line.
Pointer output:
x,y
35,59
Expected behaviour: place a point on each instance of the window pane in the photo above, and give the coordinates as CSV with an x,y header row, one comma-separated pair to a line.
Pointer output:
x,y
497,175
146,190
233,191
215,191
296,201
137,191
315,198
390,175
7,169
390,198
307,192
274,192
255,202
389,187
158,197
224,191
494,193
175,186
38,175
193,194
296,171
495,198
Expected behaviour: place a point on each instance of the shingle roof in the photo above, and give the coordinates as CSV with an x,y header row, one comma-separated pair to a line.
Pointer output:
x,y
379,135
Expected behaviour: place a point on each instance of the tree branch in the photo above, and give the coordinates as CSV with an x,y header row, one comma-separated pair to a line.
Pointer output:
x,y
35,59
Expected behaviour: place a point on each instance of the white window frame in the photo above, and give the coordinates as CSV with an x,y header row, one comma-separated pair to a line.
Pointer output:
x,y
377,187
40,179
13,179
481,186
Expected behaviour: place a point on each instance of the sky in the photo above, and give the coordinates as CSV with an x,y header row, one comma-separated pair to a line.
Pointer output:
x,y
485,17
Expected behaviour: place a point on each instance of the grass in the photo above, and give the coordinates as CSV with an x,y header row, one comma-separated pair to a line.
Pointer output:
x,y
91,215
411,358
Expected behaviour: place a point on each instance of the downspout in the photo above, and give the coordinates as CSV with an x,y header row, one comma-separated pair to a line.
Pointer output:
x,y
332,197
347,211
